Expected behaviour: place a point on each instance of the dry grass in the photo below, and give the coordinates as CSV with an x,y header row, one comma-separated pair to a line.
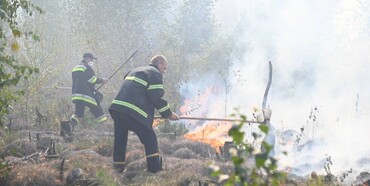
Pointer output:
x,y
19,148
45,141
104,148
185,153
185,163
35,174
176,171
165,145
89,161
200,149
134,155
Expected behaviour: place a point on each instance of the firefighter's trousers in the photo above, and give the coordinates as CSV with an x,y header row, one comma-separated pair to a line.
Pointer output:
x,y
96,110
122,124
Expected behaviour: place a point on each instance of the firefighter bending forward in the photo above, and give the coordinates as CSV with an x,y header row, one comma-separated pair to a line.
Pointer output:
x,y
84,93
133,109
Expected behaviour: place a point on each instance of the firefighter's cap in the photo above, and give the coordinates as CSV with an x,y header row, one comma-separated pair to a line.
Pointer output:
x,y
89,55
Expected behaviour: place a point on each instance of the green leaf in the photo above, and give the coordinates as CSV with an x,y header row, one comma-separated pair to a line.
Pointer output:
x,y
236,160
264,128
236,134
261,159
35,37
16,33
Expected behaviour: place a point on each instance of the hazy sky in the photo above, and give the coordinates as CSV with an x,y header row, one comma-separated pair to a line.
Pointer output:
x,y
320,52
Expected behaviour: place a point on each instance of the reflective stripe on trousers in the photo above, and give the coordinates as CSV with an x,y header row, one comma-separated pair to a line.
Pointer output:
x,y
122,124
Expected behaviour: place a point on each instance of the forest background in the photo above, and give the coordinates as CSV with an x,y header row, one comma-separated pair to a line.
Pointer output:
x,y
319,54
54,41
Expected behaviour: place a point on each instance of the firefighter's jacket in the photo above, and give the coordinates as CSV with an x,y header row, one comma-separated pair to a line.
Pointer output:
x,y
140,94
83,86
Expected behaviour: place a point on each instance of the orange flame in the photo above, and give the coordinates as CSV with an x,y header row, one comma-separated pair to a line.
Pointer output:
x,y
212,133
156,122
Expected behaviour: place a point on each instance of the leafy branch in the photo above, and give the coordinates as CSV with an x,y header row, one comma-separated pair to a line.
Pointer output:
x,y
11,70
264,171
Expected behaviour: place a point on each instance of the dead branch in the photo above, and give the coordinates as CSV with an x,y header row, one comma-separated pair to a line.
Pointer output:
x,y
267,87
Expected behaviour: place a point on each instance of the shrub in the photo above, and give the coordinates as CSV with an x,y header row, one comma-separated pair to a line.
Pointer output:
x,y
264,172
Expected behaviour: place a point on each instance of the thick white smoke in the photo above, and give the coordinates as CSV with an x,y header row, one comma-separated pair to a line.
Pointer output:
x,y
320,52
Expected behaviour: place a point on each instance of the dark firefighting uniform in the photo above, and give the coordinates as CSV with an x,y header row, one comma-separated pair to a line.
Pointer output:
x,y
133,109
84,93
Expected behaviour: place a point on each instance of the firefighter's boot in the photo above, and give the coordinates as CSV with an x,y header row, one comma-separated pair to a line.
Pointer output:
x,y
119,167
74,121
153,164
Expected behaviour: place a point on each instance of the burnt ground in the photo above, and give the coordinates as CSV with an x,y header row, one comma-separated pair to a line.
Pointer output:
x,y
47,158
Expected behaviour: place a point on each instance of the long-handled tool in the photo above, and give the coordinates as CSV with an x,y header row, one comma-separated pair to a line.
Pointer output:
x,y
132,55
212,119
128,59
56,86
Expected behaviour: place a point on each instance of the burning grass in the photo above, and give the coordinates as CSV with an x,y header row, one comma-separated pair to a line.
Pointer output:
x,y
213,133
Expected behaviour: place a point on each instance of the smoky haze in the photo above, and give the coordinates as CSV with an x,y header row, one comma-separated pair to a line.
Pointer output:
x,y
320,56
319,52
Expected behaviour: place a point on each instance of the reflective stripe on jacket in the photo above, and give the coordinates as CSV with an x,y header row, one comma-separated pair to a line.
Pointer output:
x,y
83,83
141,92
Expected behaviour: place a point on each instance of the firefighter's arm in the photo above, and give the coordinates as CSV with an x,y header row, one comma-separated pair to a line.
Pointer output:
x,y
155,92
92,78
95,80
161,105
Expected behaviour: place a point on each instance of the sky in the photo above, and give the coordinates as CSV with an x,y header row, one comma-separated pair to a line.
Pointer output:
x,y
320,53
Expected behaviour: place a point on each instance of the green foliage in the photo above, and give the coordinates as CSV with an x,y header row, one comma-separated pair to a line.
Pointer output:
x,y
11,70
264,172
104,178
316,181
4,171
7,137
112,30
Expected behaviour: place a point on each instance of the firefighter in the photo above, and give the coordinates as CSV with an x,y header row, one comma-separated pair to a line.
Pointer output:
x,y
133,109
84,93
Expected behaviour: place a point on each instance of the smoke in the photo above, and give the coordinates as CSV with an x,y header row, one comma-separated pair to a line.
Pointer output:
x,y
320,52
